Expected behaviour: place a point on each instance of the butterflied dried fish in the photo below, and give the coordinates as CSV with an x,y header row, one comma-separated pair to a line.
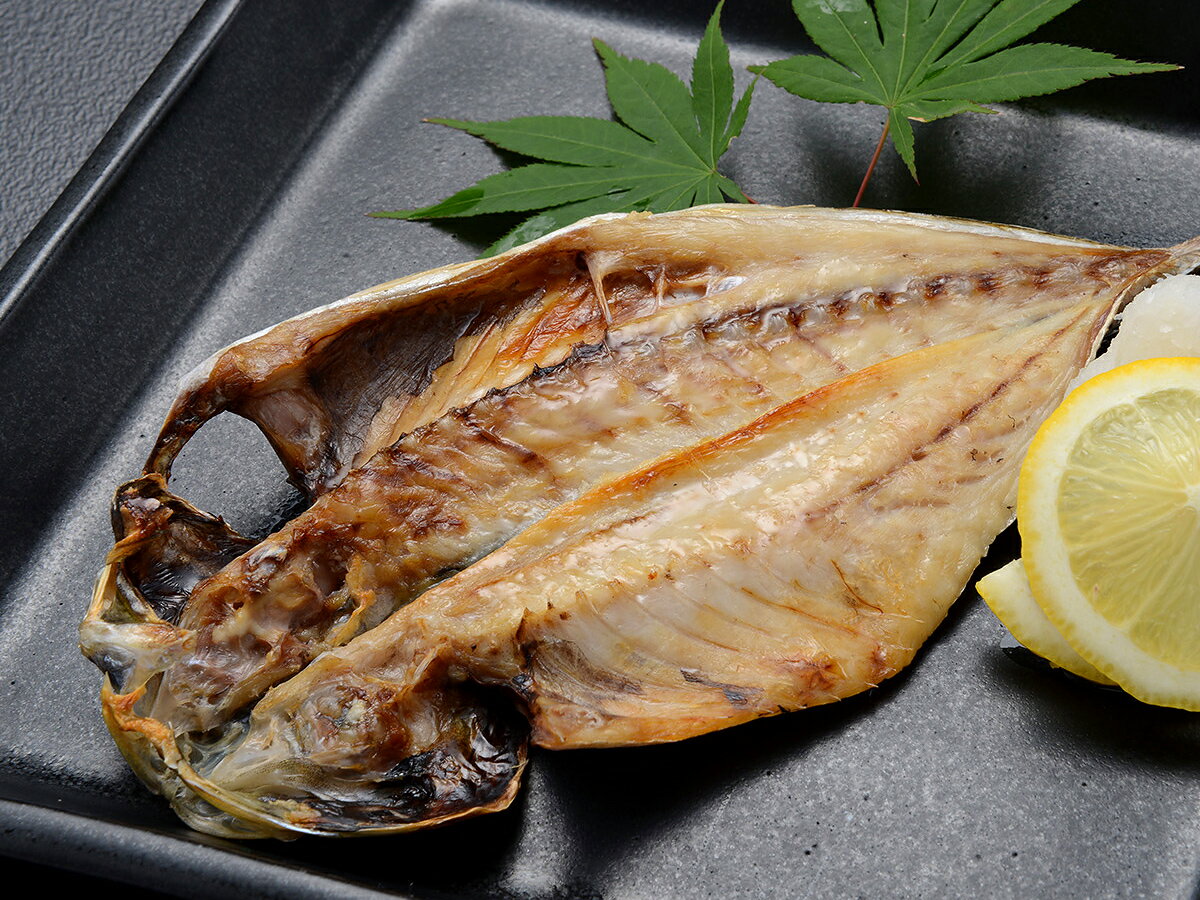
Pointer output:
x,y
745,350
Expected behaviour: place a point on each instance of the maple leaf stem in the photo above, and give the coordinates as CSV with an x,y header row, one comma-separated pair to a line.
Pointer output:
x,y
874,159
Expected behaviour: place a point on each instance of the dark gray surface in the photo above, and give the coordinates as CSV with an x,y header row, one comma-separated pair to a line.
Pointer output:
x,y
67,71
966,775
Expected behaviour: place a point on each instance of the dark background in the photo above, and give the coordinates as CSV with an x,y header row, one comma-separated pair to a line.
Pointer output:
x,y
66,72
245,205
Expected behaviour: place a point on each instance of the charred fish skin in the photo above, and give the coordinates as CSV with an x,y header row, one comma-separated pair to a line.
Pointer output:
x,y
699,347
681,290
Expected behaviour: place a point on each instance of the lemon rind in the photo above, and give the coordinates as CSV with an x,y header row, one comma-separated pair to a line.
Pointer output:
x,y
1007,593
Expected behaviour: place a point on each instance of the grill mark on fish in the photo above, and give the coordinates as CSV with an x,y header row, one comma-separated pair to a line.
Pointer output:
x,y
1114,269
988,283
408,461
935,287
919,452
527,458
855,596
842,305
736,695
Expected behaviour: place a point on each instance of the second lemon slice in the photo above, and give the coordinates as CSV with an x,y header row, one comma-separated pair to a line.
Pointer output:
x,y
1109,513
1008,594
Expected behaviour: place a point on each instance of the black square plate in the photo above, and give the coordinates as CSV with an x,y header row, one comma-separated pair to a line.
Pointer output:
x,y
232,194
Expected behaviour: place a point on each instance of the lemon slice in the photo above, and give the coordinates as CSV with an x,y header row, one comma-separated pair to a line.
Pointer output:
x,y
1109,513
1008,594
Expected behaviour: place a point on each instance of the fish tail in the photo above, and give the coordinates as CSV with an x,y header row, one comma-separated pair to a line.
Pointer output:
x,y
1187,256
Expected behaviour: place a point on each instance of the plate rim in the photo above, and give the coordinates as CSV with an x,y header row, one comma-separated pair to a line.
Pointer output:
x,y
120,143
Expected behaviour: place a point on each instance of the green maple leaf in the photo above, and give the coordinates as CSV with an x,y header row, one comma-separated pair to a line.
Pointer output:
x,y
929,59
661,155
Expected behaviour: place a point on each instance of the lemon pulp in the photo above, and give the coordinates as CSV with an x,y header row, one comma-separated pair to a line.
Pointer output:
x,y
1127,510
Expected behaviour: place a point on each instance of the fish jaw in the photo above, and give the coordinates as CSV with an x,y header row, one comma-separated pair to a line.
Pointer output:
x,y
435,751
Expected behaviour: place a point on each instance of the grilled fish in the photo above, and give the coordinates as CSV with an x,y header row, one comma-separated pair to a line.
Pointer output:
x,y
690,469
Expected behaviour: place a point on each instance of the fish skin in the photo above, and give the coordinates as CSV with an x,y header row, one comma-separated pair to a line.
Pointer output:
x,y
873,302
